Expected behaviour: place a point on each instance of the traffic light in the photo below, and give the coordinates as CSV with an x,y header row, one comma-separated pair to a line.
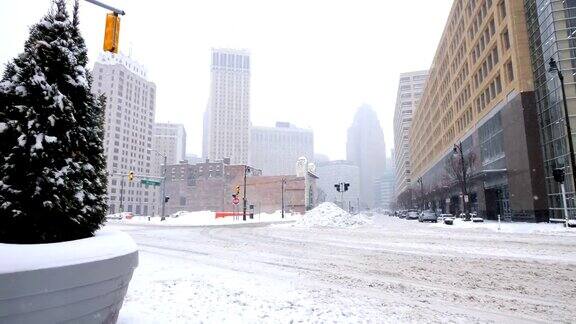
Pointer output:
x,y
337,186
130,175
237,190
346,185
558,175
166,198
112,33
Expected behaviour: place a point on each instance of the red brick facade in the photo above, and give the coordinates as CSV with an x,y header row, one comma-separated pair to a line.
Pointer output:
x,y
209,186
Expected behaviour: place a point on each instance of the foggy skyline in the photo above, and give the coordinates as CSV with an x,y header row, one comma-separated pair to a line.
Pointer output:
x,y
310,60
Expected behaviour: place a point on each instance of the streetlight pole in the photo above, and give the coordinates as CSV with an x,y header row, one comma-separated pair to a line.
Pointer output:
x,y
164,171
554,68
458,149
421,192
283,183
246,169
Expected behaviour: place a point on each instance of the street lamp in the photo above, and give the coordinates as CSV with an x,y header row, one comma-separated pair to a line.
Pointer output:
x,y
458,150
554,68
421,192
163,182
283,184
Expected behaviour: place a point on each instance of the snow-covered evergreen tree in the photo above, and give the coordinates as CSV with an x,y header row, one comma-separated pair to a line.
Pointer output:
x,y
52,177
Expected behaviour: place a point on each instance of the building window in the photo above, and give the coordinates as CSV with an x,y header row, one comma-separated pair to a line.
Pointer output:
x,y
502,9
509,71
505,39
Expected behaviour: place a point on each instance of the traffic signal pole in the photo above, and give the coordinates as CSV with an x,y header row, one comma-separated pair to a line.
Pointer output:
x,y
122,194
105,6
164,190
244,198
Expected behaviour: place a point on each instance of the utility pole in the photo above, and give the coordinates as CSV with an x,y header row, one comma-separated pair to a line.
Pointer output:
x,y
246,169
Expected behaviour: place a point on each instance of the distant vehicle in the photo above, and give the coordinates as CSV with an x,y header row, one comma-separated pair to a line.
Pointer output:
x,y
448,220
178,214
428,216
114,216
476,219
442,216
126,215
412,215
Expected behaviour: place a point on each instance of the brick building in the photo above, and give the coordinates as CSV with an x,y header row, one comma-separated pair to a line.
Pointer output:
x,y
209,186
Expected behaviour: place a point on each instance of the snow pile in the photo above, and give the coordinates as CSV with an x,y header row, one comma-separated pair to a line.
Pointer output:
x,y
329,215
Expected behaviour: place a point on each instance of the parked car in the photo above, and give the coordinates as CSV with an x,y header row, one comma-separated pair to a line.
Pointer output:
x,y
126,215
177,214
412,215
442,216
428,216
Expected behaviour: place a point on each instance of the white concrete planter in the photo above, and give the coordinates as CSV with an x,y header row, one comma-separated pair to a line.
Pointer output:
x,y
82,281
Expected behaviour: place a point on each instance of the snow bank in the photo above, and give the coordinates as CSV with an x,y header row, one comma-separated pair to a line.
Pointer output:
x,y
104,245
515,227
329,215
206,218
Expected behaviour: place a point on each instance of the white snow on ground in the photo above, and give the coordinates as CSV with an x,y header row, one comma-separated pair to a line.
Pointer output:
x,y
328,214
207,218
394,271
505,227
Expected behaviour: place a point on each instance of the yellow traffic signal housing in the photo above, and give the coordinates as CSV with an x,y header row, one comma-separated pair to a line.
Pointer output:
x,y
130,175
237,190
112,33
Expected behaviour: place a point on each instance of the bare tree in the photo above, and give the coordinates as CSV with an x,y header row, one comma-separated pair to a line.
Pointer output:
x,y
459,167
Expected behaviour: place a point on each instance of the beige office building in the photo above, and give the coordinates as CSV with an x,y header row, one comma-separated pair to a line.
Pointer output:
x,y
410,91
169,139
128,126
480,93
227,117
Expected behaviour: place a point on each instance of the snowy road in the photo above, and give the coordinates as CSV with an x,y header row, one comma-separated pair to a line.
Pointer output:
x,y
392,271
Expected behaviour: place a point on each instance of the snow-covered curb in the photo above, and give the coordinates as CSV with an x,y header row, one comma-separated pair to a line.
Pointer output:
x,y
81,281
516,227
106,244
207,218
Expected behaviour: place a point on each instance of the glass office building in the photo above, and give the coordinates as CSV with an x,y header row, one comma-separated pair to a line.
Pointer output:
x,y
552,34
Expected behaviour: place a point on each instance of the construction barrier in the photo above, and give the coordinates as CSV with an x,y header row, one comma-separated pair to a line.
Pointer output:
x,y
223,214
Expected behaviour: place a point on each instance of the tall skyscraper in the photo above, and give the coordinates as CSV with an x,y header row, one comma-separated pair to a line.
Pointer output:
x,y
227,118
129,120
366,148
410,90
274,150
169,139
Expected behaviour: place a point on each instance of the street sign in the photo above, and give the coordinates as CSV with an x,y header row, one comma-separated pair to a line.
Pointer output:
x,y
150,182
235,201
466,198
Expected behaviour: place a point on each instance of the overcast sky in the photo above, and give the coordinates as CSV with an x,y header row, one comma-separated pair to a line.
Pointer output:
x,y
314,62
